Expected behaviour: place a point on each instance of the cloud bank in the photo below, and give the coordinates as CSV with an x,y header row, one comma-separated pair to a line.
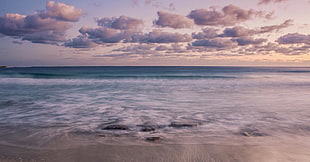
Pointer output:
x,y
158,36
61,11
121,23
239,31
199,31
109,30
47,26
228,16
175,21
294,38
270,1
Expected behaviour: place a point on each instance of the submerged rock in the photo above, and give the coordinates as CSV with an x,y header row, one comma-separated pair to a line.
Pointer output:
x,y
153,139
148,129
116,127
252,133
246,134
183,124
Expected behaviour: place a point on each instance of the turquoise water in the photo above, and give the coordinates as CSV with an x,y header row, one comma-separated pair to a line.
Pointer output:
x,y
223,100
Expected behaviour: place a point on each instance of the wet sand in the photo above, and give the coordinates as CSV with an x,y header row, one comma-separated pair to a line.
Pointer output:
x,y
162,152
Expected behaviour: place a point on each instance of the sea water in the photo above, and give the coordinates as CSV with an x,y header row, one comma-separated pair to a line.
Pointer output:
x,y
45,102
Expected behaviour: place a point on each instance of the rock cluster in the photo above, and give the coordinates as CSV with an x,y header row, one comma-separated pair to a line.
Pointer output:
x,y
116,127
251,133
153,139
148,129
183,124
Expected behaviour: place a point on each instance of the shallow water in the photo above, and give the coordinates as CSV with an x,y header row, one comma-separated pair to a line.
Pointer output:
x,y
46,102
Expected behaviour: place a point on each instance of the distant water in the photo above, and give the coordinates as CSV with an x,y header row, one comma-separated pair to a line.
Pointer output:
x,y
50,101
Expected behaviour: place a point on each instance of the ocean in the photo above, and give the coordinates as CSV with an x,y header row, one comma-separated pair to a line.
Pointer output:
x,y
38,104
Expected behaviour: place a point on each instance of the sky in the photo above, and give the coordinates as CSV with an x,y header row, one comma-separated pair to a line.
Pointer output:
x,y
155,32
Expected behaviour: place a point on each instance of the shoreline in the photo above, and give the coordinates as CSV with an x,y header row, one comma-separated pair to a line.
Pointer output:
x,y
172,152
260,149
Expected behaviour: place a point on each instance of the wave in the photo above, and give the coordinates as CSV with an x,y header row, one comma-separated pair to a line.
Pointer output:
x,y
103,76
142,72
296,71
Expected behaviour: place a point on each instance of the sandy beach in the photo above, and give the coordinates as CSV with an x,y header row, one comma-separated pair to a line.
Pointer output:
x,y
127,149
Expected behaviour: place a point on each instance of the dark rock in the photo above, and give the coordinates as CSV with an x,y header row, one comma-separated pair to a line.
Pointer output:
x,y
153,139
3,66
152,125
252,133
181,124
246,134
116,127
148,129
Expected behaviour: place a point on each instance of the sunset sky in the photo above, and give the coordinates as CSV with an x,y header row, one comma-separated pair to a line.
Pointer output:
x,y
155,32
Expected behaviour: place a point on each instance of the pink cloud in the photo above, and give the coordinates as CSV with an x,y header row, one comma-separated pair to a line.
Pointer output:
x,y
61,11
228,16
270,1
48,26
166,19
